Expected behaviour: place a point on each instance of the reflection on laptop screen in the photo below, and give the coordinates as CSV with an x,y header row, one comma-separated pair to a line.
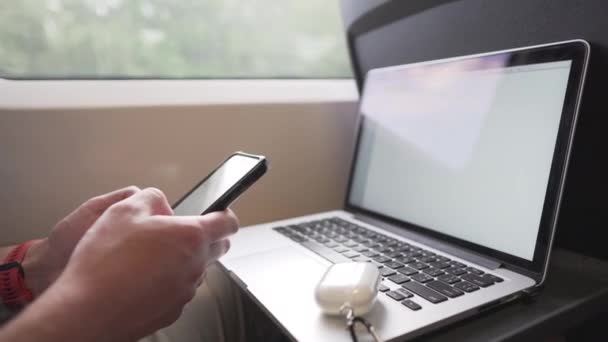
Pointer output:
x,y
463,147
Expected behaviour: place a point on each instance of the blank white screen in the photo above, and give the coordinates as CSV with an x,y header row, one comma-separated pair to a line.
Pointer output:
x,y
463,148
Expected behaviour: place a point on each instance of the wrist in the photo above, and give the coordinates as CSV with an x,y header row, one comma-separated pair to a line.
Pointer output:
x,y
37,267
15,293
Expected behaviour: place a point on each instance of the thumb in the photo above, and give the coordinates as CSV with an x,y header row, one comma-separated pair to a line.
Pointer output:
x,y
84,216
150,201
97,205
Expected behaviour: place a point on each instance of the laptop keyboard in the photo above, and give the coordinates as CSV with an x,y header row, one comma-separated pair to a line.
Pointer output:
x,y
421,274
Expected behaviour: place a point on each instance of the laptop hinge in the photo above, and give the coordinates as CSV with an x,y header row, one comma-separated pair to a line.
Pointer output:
x,y
460,252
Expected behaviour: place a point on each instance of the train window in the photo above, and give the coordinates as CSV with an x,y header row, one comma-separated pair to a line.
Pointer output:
x,y
125,39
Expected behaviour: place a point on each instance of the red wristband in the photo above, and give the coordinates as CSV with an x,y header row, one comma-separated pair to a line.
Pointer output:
x,y
13,290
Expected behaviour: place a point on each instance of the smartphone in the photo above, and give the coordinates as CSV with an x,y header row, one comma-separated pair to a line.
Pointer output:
x,y
222,186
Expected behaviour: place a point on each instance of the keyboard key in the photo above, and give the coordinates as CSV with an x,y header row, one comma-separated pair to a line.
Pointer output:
x,y
395,295
383,250
440,264
362,259
381,238
492,278
433,272
425,292
359,229
375,246
393,264
340,239
335,220
406,260
455,271
414,254
457,264
322,239
404,249
428,259
405,293
466,286
368,243
326,253
444,289
442,258
351,235
399,278
422,278
477,280
359,239
351,254
331,244
370,254
393,254
360,249
383,288
408,271
280,229
298,238
350,244
449,279
381,259
392,243
371,235
385,272
419,265
341,249
474,270
411,304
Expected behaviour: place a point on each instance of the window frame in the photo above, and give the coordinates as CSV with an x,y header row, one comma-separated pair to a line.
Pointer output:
x,y
59,94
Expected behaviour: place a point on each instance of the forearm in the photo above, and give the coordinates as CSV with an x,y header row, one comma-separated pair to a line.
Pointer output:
x,y
61,314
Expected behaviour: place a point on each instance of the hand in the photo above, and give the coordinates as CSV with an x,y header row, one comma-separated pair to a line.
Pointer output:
x,y
47,258
136,268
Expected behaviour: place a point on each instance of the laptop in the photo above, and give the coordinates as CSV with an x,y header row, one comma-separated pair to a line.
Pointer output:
x,y
454,195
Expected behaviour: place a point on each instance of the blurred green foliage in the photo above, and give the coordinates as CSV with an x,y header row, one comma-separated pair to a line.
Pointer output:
x,y
172,38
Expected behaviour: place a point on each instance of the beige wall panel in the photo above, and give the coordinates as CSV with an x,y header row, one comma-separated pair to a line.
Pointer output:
x,y
52,160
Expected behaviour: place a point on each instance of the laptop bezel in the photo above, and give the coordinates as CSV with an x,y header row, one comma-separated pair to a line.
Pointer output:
x,y
575,50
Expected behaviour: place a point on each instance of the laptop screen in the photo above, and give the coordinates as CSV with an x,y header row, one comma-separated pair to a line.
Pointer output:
x,y
463,147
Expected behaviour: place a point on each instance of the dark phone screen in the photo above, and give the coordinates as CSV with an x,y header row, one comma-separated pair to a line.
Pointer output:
x,y
216,185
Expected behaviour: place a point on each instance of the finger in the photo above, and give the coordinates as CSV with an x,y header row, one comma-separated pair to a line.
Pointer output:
x,y
100,203
85,215
150,201
217,250
200,279
220,224
212,227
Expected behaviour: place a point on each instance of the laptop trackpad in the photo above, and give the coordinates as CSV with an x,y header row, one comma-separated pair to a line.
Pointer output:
x,y
285,265
284,281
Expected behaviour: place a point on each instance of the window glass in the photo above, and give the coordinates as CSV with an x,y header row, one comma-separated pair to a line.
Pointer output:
x,y
172,39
